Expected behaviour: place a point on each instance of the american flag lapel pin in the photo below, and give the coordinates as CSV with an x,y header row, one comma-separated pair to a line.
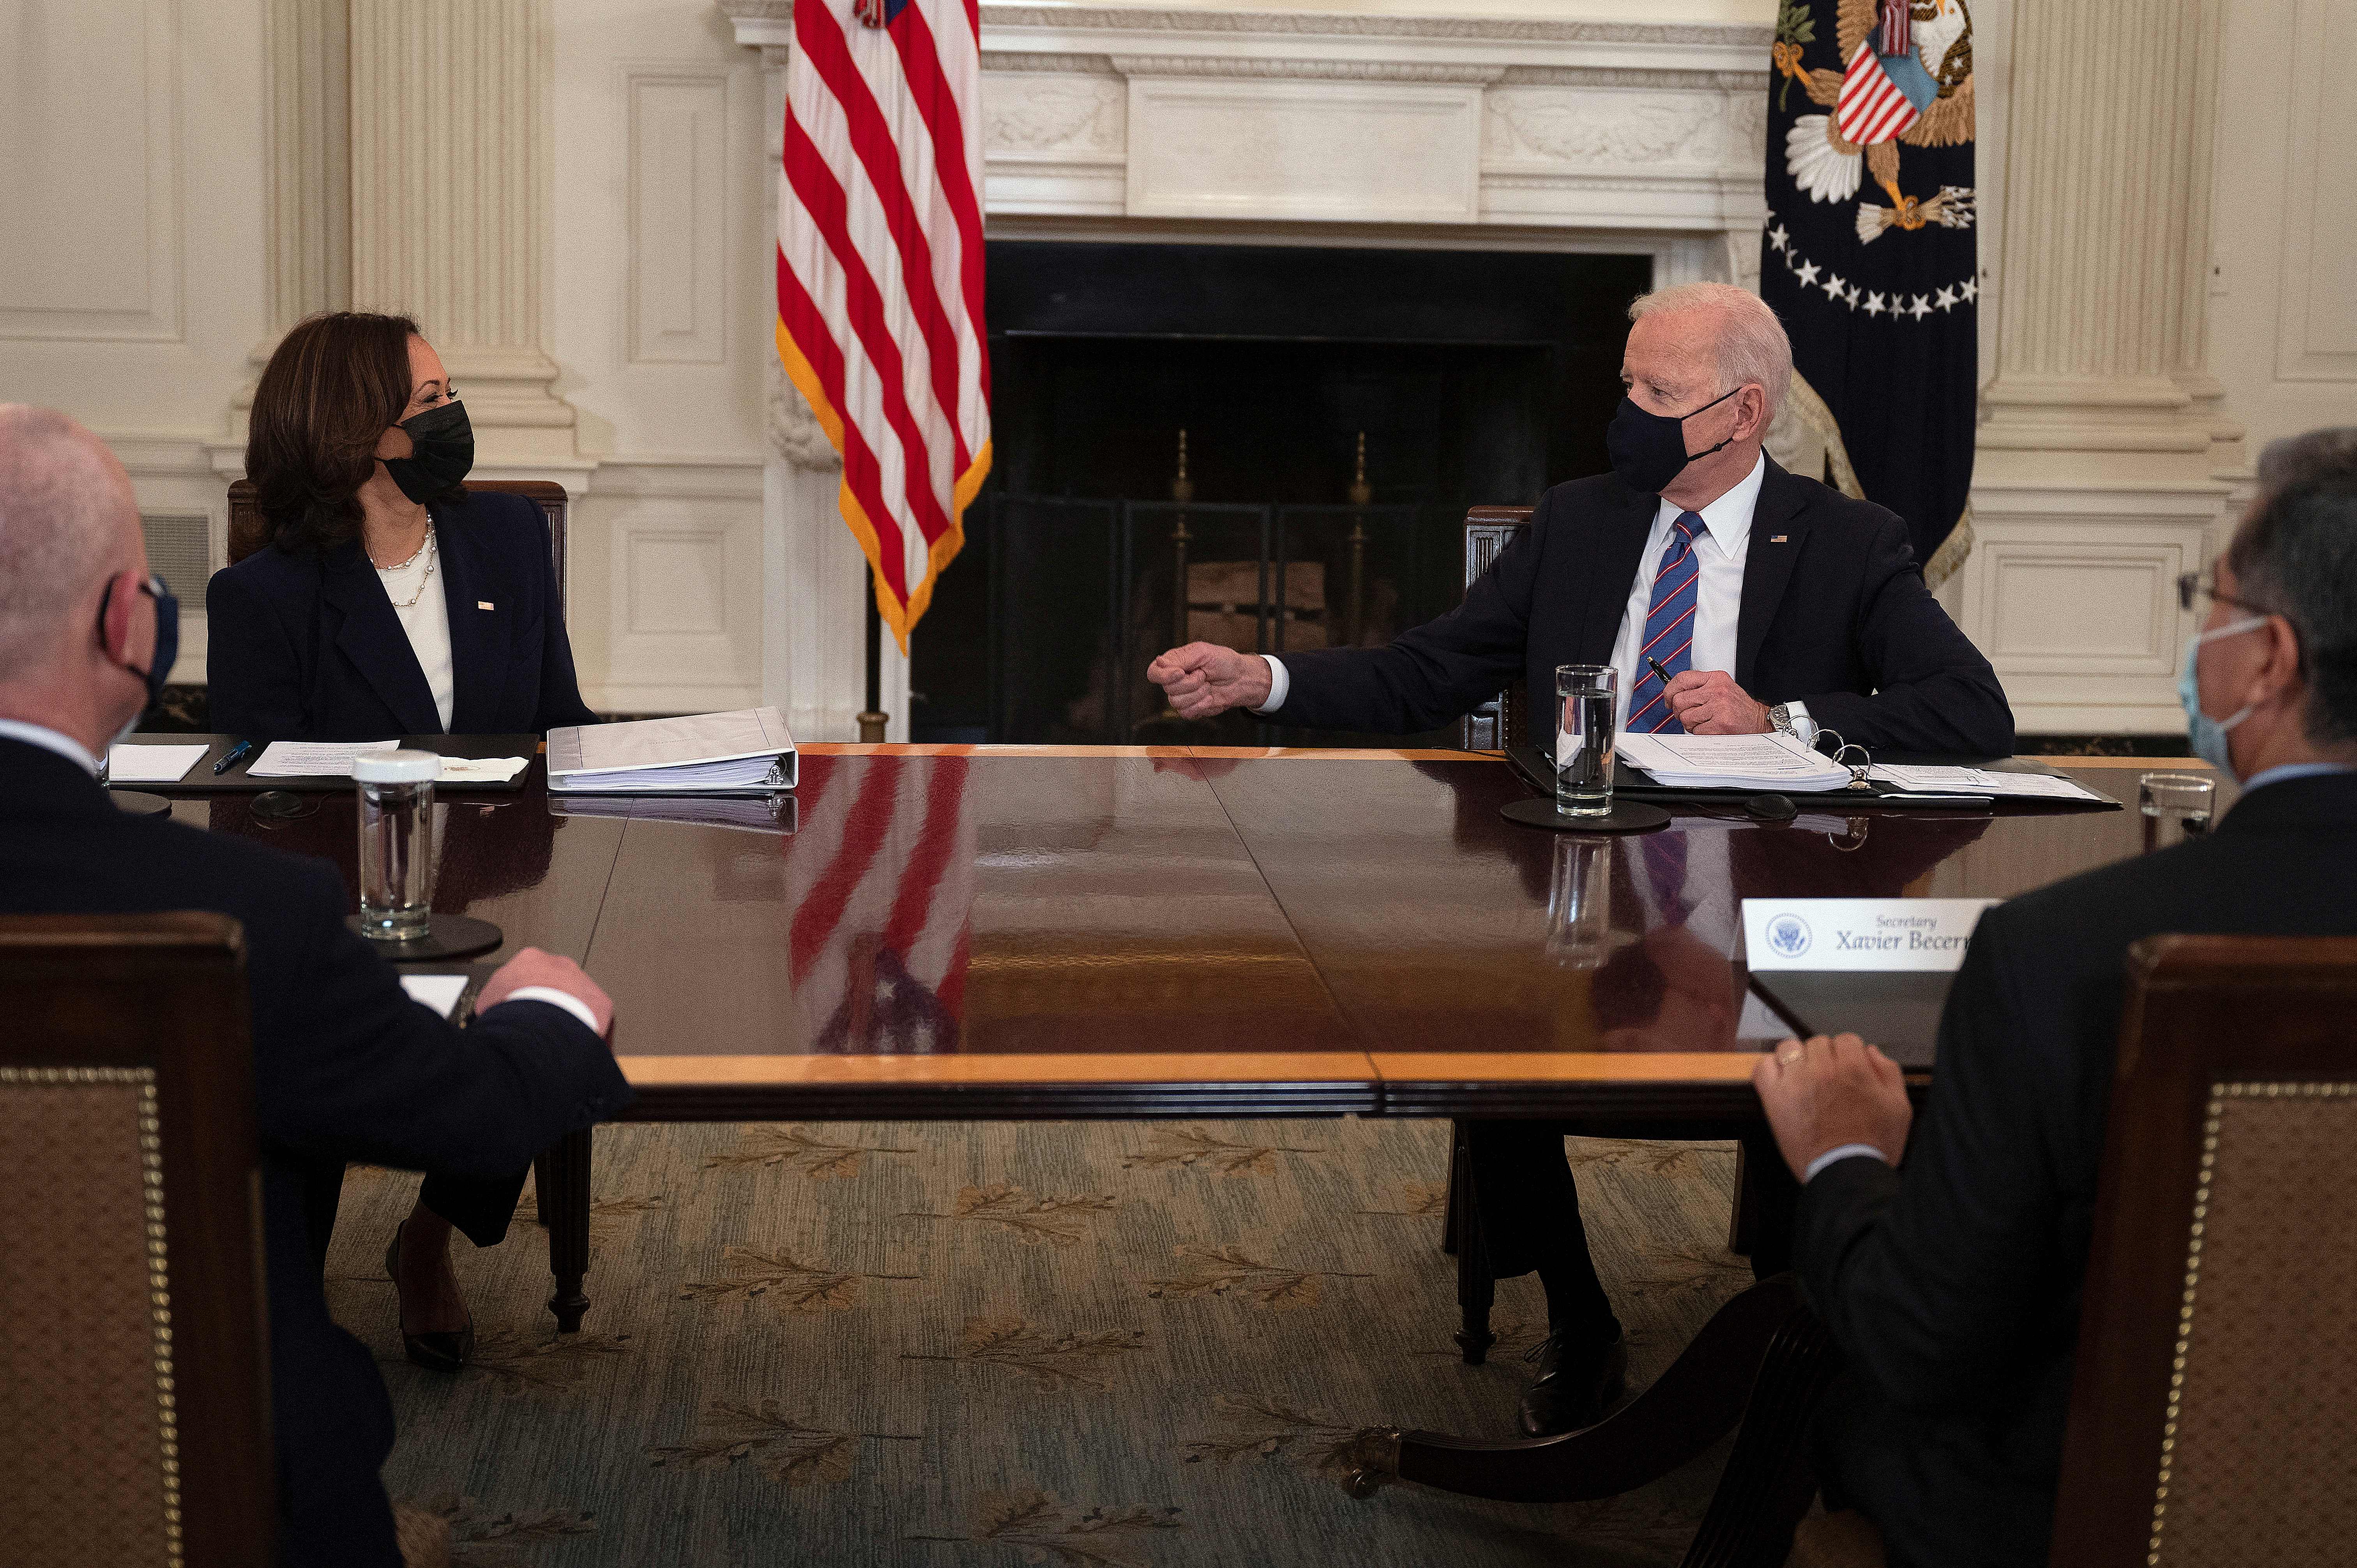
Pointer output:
x,y
1772,539
483,604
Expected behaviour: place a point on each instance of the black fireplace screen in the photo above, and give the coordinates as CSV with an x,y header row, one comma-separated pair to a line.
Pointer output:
x,y
1341,408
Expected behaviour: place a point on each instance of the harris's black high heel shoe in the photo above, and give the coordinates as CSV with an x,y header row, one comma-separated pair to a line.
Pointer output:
x,y
442,1351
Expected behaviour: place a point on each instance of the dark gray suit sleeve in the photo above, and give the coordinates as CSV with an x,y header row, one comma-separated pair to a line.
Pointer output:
x,y
349,1067
1431,673
1933,692
1929,1276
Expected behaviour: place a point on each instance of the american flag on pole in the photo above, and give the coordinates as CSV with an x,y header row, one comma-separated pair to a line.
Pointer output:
x,y
881,875
879,273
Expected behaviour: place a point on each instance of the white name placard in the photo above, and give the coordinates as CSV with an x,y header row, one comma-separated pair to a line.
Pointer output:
x,y
1860,933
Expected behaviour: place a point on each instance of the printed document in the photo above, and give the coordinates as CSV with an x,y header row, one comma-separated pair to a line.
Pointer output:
x,y
439,992
313,758
748,749
1936,780
1773,761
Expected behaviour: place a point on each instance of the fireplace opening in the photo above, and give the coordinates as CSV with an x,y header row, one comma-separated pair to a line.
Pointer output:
x,y
1340,410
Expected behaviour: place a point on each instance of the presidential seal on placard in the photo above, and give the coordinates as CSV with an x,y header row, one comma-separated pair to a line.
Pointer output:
x,y
1789,935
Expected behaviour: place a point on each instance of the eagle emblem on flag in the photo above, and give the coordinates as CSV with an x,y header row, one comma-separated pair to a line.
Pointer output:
x,y
1908,82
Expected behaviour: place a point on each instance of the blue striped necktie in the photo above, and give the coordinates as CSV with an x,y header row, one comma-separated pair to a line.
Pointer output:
x,y
1669,629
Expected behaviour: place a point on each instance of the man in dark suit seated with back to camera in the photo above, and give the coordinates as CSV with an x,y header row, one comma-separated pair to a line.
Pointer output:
x,y
1951,1283
345,1066
1770,602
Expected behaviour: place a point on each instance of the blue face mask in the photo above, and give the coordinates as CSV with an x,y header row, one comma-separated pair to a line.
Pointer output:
x,y
2207,734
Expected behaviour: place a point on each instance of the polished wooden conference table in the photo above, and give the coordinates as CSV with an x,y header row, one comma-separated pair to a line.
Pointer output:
x,y
1010,931
988,931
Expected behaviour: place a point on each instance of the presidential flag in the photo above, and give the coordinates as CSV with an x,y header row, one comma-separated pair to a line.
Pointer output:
x,y
1869,254
879,273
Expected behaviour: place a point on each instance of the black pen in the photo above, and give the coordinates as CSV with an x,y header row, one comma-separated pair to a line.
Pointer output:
x,y
231,758
1655,666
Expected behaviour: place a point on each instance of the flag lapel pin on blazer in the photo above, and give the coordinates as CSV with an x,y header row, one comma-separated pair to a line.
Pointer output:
x,y
483,604
1773,538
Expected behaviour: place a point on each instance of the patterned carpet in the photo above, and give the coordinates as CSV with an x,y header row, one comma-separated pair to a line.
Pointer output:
x,y
1090,1345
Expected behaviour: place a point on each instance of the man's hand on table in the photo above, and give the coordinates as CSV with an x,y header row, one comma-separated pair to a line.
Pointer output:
x,y
1709,702
1828,1091
532,968
1203,679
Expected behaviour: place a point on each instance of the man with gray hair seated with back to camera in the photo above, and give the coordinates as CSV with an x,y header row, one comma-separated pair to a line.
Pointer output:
x,y
1767,601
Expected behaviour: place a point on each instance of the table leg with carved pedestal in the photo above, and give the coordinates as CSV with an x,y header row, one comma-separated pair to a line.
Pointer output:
x,y
560,1177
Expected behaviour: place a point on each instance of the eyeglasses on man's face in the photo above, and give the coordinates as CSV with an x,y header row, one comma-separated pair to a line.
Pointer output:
x,y
2192,592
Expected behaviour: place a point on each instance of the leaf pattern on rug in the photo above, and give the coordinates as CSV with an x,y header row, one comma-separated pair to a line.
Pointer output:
x,y
1223,1271
1417,1199
520,1364
814,1157
1190,1147
1687,1271
606,1215
481,1539
785,1282
1652,1158
1054,1219
780,1448
1053,1361
1036,1524
1271,1430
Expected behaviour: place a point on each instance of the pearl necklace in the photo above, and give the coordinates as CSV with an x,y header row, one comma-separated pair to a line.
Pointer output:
x,y
430,550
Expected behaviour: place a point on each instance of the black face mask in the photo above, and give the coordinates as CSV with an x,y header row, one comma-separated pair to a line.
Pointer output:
x,y
1649,450
167,636
442,448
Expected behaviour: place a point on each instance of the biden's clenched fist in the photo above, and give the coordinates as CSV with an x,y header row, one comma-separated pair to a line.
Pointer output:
x,y
1203,678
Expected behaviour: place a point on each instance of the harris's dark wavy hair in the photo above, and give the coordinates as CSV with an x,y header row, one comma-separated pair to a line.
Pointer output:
x,y
324,401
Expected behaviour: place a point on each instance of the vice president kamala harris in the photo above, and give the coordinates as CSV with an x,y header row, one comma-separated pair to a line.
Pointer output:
x,y
391,600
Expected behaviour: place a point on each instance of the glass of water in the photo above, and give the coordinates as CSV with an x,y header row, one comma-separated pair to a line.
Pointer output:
x,y
396,811
2176,807
1585,696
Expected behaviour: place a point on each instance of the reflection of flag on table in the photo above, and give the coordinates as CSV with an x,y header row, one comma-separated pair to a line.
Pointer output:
x,y
1876,283
881,875
879,273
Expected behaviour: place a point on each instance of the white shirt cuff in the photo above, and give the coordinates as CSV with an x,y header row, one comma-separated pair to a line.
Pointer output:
x,y
1805,728
1280,683
555,998
1831,1156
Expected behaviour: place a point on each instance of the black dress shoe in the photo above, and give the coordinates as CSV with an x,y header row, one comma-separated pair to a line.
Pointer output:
x,y
1579,1377
441,1351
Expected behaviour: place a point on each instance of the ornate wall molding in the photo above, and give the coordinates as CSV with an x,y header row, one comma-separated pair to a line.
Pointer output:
x,y
1619,126
1251,68
1337,24
1037,113
996,61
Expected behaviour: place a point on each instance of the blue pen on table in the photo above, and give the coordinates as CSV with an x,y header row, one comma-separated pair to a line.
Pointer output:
x,y
231,757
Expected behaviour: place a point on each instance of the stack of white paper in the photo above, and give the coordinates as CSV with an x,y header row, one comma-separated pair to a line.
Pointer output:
x,y
748,749
151,764
333,759
1929,780
1776,761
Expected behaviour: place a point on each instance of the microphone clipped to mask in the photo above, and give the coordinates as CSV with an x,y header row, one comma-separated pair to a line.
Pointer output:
x,y
442,450
1649,450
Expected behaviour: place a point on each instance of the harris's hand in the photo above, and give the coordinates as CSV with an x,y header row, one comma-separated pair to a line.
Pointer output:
x,y
1828,1091
532,967
1709,702
1203,679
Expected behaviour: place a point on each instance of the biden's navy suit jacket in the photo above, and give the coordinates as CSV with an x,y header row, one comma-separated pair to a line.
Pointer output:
x,y
305,646
346,1066
1834,614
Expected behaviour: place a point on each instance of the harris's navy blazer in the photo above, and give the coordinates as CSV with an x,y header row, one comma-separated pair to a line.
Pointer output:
x,y
345,1066
304,645
1833,613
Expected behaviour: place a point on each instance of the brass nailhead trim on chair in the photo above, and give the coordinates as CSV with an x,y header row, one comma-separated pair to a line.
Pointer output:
x,y
2219,1094
159,1294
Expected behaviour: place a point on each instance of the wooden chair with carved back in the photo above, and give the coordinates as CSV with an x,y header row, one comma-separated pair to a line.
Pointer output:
x,y
249,532
134,1374
1505,721
2216,1379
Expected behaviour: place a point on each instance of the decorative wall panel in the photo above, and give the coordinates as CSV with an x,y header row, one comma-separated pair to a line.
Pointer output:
x,y
679,154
